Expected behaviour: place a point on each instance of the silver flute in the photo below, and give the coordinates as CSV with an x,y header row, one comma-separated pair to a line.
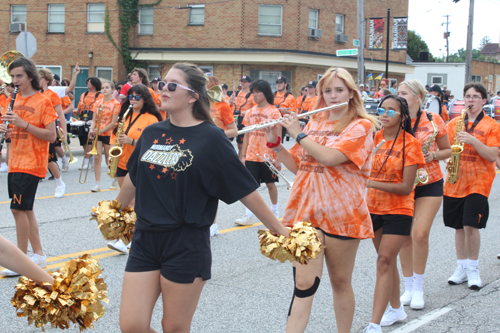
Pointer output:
x,y
7,123
277,121
269,162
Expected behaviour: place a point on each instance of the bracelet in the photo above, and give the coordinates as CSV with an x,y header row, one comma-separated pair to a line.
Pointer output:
x,y
273,145
27,127
133,142
277,151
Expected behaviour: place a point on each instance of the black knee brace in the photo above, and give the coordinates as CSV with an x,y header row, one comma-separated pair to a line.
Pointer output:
x,y
303,293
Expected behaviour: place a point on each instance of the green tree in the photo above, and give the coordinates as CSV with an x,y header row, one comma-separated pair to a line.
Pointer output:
x,y
485,40
416,45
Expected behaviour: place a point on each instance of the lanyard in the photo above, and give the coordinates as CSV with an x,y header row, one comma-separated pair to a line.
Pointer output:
x,y
478,119
132,123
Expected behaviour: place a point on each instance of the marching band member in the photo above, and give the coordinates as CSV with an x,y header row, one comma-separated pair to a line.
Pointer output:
x,y
282,97
144,113
308,101
33,127
68,108
224,92
331,160
465,203
109,117
176,201
435,90
221,112
390,201
242,101
428,196
140,75
254,144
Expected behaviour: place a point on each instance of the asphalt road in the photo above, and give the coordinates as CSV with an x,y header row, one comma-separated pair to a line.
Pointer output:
x,y
248,292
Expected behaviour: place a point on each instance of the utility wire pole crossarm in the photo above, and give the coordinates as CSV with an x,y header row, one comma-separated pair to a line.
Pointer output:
x,y
361,38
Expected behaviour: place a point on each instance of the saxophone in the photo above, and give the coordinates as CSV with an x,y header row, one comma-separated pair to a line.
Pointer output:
x,y
422,176
116,150
456,149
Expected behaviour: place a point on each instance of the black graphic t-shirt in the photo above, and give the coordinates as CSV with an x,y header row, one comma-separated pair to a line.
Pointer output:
x,y
180,173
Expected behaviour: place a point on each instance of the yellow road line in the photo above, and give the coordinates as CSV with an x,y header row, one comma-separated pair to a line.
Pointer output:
x,y
66,195
240,228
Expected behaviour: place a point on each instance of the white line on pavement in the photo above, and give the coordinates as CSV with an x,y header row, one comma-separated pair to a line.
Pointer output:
x,y
416,323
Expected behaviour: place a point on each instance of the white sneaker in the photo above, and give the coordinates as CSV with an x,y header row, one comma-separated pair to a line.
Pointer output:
x,y
96,188
417,300
8,272
92,163
406,297
372,328
65,166
276,213
60,191
4,167
245,220
119,246
114,184
393,315
129,244
214,230
84,167
474,280
39,260
459,276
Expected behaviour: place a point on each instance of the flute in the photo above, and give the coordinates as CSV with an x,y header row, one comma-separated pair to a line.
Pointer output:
x,y
277,121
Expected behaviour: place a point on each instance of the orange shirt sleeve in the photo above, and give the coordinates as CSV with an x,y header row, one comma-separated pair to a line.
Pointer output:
x,y
155,98
444,113
226,114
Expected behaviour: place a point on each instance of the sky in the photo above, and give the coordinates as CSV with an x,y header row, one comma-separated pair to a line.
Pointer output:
x,y
426,16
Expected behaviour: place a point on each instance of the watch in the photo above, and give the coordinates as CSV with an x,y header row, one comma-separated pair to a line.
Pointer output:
x,y
434,155
300,137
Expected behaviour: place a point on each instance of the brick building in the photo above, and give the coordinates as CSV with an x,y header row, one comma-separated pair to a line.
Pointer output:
x,y
263,39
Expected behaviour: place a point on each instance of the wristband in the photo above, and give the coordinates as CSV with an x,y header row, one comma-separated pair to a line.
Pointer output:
x,y
133,142
278,150
27,127
434,155
274,145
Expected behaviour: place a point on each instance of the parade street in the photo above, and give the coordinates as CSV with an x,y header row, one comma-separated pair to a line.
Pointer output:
x,y
249,292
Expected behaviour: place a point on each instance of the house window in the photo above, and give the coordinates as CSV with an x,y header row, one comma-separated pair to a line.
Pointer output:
x,y
339,23
196,14
18,13
313,18
270,18
95,17
105,73
56,18
154,71
208,68
476,78
146,20
437,80
54,69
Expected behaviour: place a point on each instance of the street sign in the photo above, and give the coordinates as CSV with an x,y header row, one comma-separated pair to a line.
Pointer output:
x,y
355,42
26,44
348,52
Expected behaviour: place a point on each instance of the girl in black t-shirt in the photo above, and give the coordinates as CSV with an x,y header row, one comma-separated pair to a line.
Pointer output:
x,y
178,171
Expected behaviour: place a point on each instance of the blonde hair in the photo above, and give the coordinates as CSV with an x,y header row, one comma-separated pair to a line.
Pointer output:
x,y
417,89
111,84
355,109
46,74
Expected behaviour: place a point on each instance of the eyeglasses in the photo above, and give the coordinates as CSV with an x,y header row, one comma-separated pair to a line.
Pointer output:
x,y
172,86
475,97
390,113
136,97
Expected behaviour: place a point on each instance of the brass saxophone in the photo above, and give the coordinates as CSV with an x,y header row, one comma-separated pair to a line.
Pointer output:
x,y
422,176
456,149
116,150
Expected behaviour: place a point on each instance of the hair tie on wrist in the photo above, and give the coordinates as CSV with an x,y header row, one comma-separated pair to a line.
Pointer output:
x,y
278,150
274,145
27,127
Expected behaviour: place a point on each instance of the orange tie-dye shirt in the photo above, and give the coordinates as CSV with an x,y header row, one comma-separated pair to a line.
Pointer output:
x,y
65,101
333,198
423,132
243,104
444,113
257,140
281,102
222,114
475,174
27,153
307,104
3,101
109,109
385,203
54,98
87,102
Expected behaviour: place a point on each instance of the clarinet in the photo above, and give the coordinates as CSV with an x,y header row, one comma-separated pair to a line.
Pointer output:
x,y
7,123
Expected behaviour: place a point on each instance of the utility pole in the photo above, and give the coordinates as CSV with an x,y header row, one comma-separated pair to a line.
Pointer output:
x,y
468,55
361,38
387,44
447,36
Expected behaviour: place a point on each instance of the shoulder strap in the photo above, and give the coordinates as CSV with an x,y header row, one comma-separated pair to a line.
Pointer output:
x,y
429,115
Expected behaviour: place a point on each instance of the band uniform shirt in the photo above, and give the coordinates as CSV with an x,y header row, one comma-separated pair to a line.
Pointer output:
x,y
423,132
243,104
475,173
257,140
3,101
87,102
444,113
109,109
385,203
27,153
135,133
222,114
289,102
307,105
298,100
180,173
65,101
153,95
333,198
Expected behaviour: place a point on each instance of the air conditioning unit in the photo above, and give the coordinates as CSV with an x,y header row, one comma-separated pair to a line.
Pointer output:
x,y
17,27
315,33
340,38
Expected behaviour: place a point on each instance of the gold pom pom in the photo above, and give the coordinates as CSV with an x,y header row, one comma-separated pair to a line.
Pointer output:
x,y
113,222
302,246
75,296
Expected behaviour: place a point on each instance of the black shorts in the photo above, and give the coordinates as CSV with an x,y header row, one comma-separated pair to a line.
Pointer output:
x,y
52,153
472,210
57,143
392,224
121,172
181,254
240,126
104,139
337,236
261,173
22,190
83,139
430,190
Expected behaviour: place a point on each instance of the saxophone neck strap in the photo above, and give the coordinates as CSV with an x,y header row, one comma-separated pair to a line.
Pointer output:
x,y
478,119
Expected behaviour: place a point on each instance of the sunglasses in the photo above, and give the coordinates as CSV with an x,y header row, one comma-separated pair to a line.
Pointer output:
x,y
136,97
390,113
172,86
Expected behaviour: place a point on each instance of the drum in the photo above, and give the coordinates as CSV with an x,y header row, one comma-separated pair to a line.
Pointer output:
x,y
79,128
496,106
371,106
456,107
431,104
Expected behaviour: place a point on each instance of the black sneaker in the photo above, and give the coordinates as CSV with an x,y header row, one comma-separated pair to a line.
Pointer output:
x,y
52,177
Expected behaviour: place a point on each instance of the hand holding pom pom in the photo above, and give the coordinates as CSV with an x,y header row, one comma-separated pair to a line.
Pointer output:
x,y
113,222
